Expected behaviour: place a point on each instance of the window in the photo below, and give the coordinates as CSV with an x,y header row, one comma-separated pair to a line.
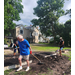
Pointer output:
x,y
30,34
21,31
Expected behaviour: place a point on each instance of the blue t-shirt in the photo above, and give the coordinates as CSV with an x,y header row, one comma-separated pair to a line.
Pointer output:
x,y
24,47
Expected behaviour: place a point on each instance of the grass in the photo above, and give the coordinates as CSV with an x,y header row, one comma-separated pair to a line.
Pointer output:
x,y
46,48
20,73
6,72
68,54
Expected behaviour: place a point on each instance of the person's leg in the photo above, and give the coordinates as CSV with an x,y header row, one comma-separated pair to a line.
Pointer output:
x,y
60,51
20,62
27,60
14,52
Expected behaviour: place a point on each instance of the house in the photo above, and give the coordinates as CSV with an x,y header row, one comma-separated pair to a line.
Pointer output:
x,y
32,34
28,32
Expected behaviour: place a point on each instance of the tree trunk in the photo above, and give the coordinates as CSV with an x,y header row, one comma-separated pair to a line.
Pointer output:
x,y
54,40
53,32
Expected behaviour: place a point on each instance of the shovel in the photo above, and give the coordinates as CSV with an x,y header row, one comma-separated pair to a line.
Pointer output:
x,y
39,63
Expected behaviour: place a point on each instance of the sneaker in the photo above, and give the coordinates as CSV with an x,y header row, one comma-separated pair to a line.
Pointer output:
x,y
27,69
20,68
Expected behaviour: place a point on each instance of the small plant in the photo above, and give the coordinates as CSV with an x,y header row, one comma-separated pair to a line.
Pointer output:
x,y
50,71
64,74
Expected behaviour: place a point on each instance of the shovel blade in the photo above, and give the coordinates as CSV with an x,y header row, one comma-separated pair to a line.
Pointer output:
x,y
40,63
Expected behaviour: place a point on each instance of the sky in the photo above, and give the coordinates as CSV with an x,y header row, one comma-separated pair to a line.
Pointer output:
x,y
28,11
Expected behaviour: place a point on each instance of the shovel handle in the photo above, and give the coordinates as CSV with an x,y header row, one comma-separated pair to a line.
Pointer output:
x,y
36,57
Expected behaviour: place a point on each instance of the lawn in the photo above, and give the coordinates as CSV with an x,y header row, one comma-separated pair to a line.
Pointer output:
x,y
68,54
50,49
46,48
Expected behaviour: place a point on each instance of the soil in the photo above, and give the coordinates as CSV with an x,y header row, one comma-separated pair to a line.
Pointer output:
x,y
59,65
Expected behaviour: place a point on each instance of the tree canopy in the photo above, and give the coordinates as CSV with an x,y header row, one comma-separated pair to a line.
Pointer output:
x,y
12,8
48,12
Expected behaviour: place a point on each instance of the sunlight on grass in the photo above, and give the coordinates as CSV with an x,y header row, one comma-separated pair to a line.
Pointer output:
x,y
46,48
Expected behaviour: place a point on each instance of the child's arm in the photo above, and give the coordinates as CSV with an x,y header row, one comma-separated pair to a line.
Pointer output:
x,y
14,46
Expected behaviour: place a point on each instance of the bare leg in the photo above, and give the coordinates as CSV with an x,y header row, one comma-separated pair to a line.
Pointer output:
x,y
27,62
14,54
27,65
20,62
60,52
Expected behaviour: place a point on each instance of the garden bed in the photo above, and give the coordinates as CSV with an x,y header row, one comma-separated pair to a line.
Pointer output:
x,y
52,65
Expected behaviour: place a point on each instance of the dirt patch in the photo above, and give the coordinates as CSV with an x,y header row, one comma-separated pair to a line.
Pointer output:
x,y
45,53
59,65
8,51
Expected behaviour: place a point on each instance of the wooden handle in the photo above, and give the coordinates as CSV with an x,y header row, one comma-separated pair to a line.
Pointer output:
x,y
36,57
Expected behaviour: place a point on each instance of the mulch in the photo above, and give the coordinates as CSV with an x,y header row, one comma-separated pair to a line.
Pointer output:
x,y
59,65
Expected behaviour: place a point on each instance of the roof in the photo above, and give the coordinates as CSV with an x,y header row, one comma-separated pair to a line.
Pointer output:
x,y
28,27
18,25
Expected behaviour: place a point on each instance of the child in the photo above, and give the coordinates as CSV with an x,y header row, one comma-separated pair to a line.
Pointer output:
x,y
16,46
